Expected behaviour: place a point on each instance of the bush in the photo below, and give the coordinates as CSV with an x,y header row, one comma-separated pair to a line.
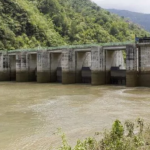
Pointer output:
x,y
130,136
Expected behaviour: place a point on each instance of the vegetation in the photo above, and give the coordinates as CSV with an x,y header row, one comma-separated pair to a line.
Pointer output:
x,y
141,19
33,23
131,136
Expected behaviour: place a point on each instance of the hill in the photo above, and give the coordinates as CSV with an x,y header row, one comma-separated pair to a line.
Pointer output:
x,y
139,18
33,23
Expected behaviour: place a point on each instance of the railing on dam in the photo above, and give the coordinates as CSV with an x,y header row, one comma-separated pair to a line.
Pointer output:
x,y
73,46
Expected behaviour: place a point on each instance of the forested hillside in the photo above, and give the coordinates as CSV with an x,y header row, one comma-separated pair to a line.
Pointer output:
x,y
139,18
33,23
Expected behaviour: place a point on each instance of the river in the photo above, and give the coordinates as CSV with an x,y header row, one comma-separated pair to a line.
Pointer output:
x,y
30,113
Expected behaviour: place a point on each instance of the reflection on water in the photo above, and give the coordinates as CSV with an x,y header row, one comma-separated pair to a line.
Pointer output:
x,y
30,113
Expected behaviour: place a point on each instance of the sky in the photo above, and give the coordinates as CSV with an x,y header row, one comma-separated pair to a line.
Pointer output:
x,y
142,6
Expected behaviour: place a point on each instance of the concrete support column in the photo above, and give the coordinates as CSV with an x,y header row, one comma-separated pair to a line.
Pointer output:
x,y
131,66
43,67
22,67
4,67
98,66
144,65
68,66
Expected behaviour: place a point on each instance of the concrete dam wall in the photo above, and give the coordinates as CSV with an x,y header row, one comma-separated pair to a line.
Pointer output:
x,y
79,65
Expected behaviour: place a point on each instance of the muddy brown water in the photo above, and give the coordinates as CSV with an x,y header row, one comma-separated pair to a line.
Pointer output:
x,y
30,113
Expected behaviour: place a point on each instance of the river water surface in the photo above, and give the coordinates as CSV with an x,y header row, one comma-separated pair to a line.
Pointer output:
x,y
30,113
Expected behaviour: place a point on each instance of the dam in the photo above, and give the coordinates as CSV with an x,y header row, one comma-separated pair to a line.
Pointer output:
x,y
118,63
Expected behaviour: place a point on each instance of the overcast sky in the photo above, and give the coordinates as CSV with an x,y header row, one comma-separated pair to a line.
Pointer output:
x,y
142,6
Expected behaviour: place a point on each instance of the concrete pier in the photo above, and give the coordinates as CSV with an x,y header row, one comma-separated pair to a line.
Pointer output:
x,y
144,65
131,78
131,66
68,66
4,67
144,78
98,66
43,67
22,67
98,78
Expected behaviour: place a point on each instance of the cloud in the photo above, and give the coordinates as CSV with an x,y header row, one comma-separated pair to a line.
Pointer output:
x,y
132,5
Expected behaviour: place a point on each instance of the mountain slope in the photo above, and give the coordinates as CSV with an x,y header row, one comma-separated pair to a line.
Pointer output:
x,y
85,22
22,25
139,18
33,23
